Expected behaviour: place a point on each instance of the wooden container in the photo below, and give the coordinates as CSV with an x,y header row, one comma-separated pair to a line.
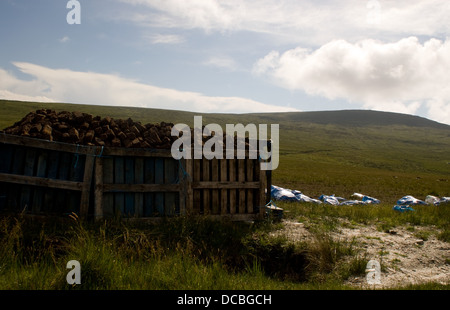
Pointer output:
x,y
44,177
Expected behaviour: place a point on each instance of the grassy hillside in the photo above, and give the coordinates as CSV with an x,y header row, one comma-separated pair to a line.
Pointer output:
x,y
385,155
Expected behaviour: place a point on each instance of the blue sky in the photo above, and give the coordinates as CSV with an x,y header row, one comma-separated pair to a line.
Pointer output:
x,y
231,56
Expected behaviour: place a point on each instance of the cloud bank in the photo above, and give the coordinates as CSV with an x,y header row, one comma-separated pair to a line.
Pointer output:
x,y
401,77
63,85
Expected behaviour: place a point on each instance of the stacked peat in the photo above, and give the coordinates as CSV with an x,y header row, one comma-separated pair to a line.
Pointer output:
x,y
85,129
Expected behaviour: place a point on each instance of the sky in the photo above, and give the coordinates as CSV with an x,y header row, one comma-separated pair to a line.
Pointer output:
x,y
230,56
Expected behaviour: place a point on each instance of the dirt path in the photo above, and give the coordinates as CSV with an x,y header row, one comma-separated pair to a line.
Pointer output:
x,y
405,258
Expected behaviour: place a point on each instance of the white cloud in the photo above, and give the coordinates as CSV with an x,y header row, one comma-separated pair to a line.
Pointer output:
x,y
63,85
223,62
165,39
309,21
64,39
400,76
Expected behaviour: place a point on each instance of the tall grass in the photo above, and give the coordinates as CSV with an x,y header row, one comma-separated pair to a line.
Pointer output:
x,y
178,253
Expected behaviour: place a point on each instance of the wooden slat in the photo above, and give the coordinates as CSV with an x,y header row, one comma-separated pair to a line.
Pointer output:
x,y
170,176
14,192
137,152
262,189
6,157
224,192
232,179
159,180
119,178
48,145
215,205
241,178
98,192
40,172
141,188
129,179
107,203
25,199
139,179
86,188
206,192
189,167
44,182
149,178
197,177
225,185
249,178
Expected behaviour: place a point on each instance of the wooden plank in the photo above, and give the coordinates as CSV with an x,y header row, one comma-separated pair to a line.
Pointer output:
x,y
241,178
170,178
41,173
183,189
62,197
139,179
86,188
232,178
215,205
206,192
98,192
14,197
141,188
64,166
189,167
50,195
262,189
107,202
149,178
6,158
249,178
129,179
48,145
119,178
225,185
30,158
196,193
159,180
137,152
37,181
224,192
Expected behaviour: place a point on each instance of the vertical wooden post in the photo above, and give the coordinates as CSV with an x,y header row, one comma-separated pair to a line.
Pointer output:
x,y
262,190
139,179
86,189
119,178
40,172
197,177
107,173
250,201
189,167
232,175
241,178
98,212
215,192
206,191
159,179
224,193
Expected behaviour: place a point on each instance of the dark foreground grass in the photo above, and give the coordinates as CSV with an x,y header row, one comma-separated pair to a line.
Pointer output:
x,y
174,254
178,253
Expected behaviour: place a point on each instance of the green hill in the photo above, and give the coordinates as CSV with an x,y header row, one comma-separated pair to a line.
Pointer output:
x,y
385,155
